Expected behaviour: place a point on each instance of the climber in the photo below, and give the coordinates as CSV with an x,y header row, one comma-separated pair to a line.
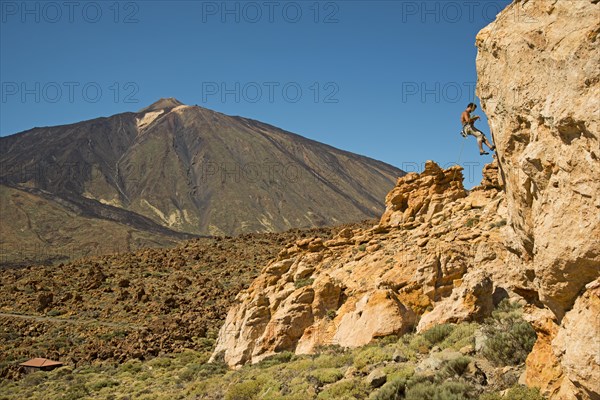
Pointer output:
x,y
469,129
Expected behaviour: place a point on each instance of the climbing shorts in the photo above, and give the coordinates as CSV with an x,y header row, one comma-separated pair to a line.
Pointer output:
x,y
469,129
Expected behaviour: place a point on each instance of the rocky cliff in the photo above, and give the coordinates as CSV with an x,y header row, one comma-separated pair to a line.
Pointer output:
x,y
435,251
539,84
530,231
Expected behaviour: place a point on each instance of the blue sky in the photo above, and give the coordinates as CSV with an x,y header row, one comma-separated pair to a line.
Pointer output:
x,y
386,79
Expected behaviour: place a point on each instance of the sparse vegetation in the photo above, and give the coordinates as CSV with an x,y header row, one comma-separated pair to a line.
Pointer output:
x,y
498,224
472,222
331,314
438,333
509,337
333,372
303,282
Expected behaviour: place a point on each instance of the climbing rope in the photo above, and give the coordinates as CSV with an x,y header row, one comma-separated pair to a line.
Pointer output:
x,y
462,146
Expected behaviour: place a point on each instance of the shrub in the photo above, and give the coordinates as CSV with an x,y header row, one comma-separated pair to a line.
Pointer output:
x,y
133,366
210,369
509,337
462,335
389,339
471,222
160,362
331,349
34,378
257,387
331,359
331,314
418,344
456,366
324,376
275,359
438,333
449,390
244,391
392,390
303,282
362,247
498,224
189,373
518,392
348,389
102,383
76,392
371,355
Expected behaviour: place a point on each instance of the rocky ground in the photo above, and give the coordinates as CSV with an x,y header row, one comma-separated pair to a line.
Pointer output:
x,y
449,361
131,305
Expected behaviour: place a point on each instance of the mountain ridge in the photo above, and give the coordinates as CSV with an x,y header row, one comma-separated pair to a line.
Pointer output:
x,y
198,171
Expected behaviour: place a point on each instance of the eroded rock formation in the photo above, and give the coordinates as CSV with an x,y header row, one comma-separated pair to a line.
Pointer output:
x,y
539,84
435,249
530,231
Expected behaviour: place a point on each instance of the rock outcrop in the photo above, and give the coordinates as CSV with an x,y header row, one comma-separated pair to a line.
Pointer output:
x,y
539,84
426,254
530,231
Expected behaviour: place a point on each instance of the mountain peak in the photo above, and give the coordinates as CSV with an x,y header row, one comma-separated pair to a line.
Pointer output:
x,y
162,104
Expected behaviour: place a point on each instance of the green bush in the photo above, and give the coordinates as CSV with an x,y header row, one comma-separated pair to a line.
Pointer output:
x,y
509,337
418,344
324,376
331,349
34,378
518,392
471,222
392,390
76,392
449,390
303,282
246,390
371,355
189,373
133,366
438,333
389,339
275,359
102,383
455,367
462,335
210,369
347,389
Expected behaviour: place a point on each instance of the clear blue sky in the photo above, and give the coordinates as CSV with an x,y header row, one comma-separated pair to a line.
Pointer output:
x,y
386,79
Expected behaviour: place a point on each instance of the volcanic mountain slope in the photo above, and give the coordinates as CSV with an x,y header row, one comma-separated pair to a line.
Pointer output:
x,y
40,228
194,170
